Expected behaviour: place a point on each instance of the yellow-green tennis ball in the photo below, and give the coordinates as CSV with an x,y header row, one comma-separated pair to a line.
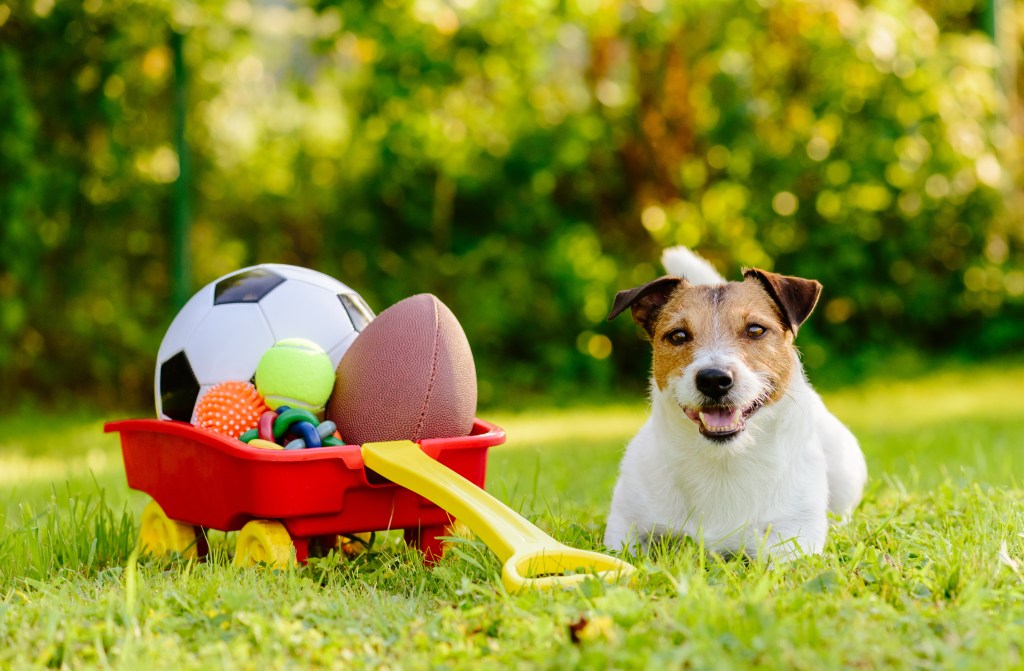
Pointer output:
x,y
295,372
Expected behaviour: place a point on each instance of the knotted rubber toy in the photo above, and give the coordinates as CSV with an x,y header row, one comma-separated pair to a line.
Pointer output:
x,y
300,425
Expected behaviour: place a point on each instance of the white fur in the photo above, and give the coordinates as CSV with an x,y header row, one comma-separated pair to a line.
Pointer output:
x,y
768,489
684,262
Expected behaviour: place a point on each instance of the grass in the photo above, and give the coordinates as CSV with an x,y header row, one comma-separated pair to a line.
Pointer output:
x,y
929,574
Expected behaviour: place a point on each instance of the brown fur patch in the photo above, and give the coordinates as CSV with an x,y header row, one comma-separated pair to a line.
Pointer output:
x,y
721,315
645,302
795,296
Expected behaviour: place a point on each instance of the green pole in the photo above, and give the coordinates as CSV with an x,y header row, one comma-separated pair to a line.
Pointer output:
x,y
181,206
989,13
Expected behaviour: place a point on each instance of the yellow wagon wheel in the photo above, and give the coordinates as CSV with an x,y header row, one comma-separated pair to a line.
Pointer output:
x,y
160,535
264,541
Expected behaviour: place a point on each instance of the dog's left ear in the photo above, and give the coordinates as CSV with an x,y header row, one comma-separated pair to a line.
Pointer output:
x,y
795,296
645,302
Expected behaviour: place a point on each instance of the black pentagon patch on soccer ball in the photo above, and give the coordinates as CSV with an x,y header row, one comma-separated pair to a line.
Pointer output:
x,y
359,313
247,287
178,388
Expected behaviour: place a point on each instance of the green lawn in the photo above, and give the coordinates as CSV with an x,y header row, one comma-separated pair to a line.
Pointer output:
x,y
930,573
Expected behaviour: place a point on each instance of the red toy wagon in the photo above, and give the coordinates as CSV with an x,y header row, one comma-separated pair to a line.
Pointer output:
x,y
202,480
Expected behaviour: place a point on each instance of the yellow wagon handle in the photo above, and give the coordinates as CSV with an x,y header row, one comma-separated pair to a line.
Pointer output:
x,y
530,558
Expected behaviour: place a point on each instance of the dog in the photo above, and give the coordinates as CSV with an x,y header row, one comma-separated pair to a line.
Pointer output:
x,y
739,451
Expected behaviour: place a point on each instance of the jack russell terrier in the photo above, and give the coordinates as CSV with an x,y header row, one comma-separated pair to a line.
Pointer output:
x,y
739,450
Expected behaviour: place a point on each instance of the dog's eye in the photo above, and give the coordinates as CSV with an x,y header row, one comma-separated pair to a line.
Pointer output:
x,y
755,331
678,337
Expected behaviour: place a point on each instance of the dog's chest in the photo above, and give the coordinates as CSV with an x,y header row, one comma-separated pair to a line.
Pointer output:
x,y
722,494
692,488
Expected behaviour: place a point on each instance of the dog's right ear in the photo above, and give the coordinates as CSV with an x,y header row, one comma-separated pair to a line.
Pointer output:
x,y
645,302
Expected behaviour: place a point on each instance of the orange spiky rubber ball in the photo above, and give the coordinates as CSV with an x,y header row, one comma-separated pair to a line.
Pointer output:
x,y
230,409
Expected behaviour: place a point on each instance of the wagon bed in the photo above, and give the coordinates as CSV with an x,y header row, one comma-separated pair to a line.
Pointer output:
x,y
210,481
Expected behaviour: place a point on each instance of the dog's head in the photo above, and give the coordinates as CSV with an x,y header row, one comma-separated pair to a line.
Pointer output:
x,y
722,351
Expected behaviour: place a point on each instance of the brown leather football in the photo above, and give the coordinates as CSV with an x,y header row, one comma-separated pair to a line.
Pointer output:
x,y
408,376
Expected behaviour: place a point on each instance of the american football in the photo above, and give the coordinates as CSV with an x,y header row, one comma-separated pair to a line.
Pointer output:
x,y
409,375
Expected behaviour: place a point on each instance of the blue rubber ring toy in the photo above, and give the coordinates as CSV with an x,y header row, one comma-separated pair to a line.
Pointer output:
x,y
308,433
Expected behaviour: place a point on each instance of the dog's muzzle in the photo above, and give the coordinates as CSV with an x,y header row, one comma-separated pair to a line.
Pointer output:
x,y
718,420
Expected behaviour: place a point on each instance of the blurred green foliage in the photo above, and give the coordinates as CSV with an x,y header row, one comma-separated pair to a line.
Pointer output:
x,y
522,160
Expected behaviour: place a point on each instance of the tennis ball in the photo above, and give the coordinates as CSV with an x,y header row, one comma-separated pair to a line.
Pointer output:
x,y
295,372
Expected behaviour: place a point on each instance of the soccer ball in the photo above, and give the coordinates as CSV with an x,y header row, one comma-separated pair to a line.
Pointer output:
x,y
223,330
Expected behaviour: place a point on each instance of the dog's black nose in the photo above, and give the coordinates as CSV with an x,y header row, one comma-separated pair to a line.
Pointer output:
x,y
714,382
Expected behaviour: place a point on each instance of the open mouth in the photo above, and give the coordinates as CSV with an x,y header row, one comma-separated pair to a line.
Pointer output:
x,y
721,422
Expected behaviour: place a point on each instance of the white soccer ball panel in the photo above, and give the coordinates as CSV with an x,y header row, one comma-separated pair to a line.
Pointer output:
x,y
300,310
185,322
340,349
228,343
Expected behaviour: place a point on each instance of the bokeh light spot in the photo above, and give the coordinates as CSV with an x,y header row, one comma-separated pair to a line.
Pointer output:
x,y
718,157
839,310
785,203
818,148
654,218
596,345
988,170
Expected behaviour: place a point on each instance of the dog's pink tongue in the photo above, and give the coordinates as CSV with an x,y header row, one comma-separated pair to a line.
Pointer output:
x,y
717,418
